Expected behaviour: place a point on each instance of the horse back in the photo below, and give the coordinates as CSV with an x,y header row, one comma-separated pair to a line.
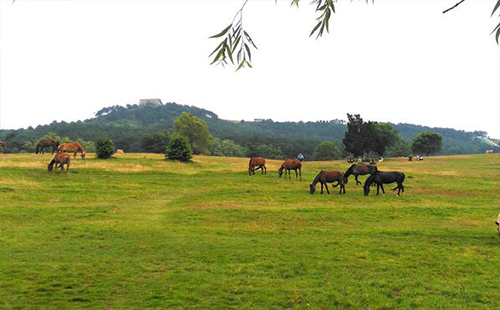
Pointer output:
x,y
331,176
257,161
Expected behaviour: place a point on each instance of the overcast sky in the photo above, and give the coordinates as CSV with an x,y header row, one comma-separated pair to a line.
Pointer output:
x,y
397,61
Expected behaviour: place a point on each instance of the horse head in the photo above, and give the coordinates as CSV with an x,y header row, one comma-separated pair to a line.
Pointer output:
x,y
83,155
312,189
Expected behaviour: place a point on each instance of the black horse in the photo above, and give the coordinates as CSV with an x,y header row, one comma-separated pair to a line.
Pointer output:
x,y
357,170
381,178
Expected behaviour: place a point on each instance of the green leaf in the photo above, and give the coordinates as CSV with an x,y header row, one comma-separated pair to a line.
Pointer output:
x,y
248,51
230,54
498,33
241,65
249,64
315,28
218,46
496,7
222,33
250,39
218,56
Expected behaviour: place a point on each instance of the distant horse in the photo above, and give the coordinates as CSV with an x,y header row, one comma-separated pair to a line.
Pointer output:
x,y
40,148
325,177
291,164
381,178
489,152
60,159
357,170
350,160
72,147
2,144
258,162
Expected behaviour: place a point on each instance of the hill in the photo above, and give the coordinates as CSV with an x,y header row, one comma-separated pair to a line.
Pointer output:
x,y
127,125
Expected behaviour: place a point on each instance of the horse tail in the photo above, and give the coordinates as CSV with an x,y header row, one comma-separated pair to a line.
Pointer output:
x,y
38,148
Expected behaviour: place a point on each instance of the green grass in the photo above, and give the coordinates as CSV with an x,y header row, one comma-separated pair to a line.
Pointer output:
x,y
139,232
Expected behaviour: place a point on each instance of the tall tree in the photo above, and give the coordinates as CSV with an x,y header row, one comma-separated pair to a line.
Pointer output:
x,y
195,130
427,142
385,137
353,140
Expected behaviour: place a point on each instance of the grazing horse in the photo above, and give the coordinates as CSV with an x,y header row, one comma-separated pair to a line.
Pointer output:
x,y
2,144
258,162
325,177
357,170
291,164
489,152
381,178
47,143
72,147
60,159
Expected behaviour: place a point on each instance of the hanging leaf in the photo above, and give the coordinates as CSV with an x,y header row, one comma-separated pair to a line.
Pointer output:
x,y
222,33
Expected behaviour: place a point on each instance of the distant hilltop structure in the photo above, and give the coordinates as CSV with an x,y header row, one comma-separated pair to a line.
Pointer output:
x,y
154,101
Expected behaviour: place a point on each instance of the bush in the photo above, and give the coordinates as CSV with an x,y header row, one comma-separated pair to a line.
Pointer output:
x,y
327,151
179,149
104,148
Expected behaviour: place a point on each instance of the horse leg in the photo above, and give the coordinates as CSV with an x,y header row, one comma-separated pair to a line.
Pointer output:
x,y
378,187
321,187
327,190
357,181
300,174
382,187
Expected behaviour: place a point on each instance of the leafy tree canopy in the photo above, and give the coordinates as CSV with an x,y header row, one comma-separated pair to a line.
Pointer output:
x,y
427,142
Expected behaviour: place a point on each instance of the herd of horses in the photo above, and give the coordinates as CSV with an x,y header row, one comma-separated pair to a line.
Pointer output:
x,y
61,158
336,178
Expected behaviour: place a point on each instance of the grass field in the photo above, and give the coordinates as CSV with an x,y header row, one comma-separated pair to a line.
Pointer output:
x,y
138,232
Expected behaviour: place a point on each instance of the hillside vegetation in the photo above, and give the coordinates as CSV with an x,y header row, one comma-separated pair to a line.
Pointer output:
x,y
127,126
140,232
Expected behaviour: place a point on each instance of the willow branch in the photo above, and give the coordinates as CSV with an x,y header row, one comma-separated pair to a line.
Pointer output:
x,y
453,6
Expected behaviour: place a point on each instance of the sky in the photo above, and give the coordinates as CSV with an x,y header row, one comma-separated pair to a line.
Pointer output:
x,y
391,61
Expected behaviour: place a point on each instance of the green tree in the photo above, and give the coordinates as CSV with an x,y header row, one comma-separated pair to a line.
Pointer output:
x,y
226,147
104,148
327,151
399,148
268,151
195,129
385,136
179,149
427,142
156,143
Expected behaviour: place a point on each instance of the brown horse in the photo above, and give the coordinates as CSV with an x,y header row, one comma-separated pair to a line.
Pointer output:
x,y
357,170
258,162
72,147
325,177
2,144
60,159
291,164
47,143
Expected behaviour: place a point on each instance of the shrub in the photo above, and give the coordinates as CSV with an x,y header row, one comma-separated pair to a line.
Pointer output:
x,y
327,151
179,149
104,148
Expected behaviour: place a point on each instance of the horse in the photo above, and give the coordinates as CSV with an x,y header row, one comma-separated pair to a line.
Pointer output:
x,y
291,164
381,178
489,152
325,177
60,159
357,170
72,147
47,143
2,144
258,162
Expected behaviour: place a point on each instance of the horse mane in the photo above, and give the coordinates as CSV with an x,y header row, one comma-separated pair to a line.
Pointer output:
x,y
370,179
51,164
316,179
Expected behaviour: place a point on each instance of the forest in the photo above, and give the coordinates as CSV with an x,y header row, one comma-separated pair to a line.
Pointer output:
x,y
146,128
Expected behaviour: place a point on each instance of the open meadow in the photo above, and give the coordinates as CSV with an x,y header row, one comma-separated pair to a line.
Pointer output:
x,y
139,232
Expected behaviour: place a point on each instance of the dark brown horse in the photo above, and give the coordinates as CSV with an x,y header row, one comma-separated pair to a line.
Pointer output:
x,y
357,170
380,178
325,177
47,143
291,164
258,162
60,159
2,144
72,147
